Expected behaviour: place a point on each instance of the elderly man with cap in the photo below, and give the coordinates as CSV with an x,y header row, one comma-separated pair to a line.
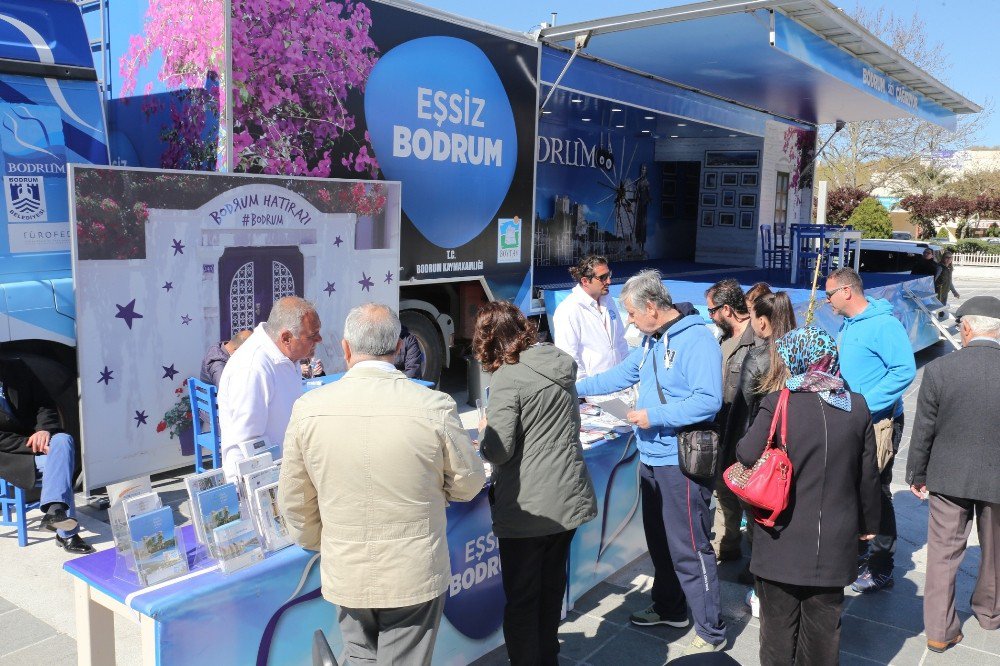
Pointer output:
x,y
953,462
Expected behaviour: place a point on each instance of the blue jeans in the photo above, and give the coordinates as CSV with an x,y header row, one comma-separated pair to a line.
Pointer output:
x,y
54,472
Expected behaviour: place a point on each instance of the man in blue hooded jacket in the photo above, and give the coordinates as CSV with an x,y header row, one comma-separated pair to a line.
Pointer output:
x,y
678,369
876,360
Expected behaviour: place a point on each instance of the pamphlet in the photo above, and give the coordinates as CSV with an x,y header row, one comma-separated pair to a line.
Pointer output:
x,y
616,408
154,542
249,466
252,482
254,447
274,530
238,545
196,483
218,506
117,494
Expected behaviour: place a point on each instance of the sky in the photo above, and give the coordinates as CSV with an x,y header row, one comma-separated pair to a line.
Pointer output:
x,y
969,31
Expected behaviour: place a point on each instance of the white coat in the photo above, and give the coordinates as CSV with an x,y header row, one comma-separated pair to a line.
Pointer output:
x,y
590,331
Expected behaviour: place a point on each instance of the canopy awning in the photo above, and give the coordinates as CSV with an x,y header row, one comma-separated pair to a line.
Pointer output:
x,y
800,59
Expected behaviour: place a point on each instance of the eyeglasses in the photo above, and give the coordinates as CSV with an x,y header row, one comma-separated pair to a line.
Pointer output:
x,y
604,277
831,292
712,311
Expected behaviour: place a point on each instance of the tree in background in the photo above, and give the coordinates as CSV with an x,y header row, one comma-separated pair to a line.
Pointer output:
x,y
871,219
841,202
874,153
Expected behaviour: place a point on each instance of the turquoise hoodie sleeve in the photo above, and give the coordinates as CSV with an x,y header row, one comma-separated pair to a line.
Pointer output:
x,y
701,366
620,377
900,368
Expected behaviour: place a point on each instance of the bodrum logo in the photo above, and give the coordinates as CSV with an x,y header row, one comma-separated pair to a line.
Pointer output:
x,y
474,599
32,138
440,122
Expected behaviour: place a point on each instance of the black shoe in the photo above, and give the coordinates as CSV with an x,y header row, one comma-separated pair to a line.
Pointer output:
x,y
74,544
58,519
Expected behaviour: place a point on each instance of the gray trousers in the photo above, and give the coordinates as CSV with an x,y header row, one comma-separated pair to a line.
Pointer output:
x,y
948,526
401,636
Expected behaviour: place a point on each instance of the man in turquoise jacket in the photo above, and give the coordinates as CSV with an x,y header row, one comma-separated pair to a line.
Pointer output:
x,y
876,360
678,369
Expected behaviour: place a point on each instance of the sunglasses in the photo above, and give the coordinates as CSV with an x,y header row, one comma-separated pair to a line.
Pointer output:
x,y
712,311
604,277
830,292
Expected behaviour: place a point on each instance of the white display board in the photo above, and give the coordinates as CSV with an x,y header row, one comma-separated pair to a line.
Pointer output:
x,y
168,263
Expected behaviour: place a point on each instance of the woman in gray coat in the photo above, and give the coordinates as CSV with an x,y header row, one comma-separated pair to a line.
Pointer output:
x,y
541,490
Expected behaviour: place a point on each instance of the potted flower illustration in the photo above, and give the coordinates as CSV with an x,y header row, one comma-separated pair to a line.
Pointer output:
x,y
177,421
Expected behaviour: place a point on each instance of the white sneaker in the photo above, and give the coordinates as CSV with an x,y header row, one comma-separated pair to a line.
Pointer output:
x,y
753,601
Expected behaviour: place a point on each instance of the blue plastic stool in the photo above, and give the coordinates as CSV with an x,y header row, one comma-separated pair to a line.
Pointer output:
x,y
14,510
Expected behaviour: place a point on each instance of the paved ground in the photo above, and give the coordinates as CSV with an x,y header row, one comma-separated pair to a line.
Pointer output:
x,y
37,617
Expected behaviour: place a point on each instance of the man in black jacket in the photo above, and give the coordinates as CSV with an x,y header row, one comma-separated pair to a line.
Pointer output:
x,y
33,449
727,308
954,454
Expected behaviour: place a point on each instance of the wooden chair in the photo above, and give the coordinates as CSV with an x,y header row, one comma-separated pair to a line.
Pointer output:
x,y
774,250
205,422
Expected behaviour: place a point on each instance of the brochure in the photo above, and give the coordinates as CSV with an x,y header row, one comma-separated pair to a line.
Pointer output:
x,y
238,545
117,494
218,506
252,482
254,447
154,542
273,526
196,483
246,467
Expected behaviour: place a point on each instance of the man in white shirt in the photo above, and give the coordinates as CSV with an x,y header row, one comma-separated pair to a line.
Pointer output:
x,y
586,324
262,379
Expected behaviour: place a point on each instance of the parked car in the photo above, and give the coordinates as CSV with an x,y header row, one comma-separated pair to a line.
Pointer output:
x,y
891,255
902,235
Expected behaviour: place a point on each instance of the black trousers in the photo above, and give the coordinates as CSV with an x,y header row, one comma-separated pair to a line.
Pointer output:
x,y
882,549
534,580
798,624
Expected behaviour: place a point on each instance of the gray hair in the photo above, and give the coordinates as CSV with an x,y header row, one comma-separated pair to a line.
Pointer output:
x,y
372,329
647,287
980,325
287,315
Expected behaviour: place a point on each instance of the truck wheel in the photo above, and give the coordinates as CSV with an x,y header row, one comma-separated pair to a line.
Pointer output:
x,y
431,344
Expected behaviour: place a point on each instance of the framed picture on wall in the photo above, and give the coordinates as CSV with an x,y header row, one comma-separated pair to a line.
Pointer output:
x,y
711,180
708,218
748,179
748,200
730,178
727,219
728,198
746,219
732,158
709,199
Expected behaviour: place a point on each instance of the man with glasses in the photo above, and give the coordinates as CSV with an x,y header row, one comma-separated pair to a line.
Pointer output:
x,y
586,324
876,360
262,379
727,307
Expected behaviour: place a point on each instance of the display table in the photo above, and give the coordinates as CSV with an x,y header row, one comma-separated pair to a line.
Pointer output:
x,y
267,613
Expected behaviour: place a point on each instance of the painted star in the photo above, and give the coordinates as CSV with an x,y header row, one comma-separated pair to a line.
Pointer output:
x,y
106,376
338,241
365,282
330,288
185,320
127,312
169,372
168,285
178,247
140,418
388,277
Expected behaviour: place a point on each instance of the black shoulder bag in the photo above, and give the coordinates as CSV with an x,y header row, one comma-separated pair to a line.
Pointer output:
x,y
697,445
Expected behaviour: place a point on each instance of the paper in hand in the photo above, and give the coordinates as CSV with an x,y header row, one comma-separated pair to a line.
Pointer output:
x,y
616,408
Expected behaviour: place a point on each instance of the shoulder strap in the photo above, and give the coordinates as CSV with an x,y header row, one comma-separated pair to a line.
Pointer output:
x,y
656,375
780,412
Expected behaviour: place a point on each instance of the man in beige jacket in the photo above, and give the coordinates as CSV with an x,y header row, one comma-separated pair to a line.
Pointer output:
x,y
370,463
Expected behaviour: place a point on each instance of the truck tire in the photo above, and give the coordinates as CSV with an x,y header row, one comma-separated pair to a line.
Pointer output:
x,y
431,344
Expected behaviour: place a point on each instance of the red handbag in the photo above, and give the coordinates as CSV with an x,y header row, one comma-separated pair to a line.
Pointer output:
x,y
766,485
